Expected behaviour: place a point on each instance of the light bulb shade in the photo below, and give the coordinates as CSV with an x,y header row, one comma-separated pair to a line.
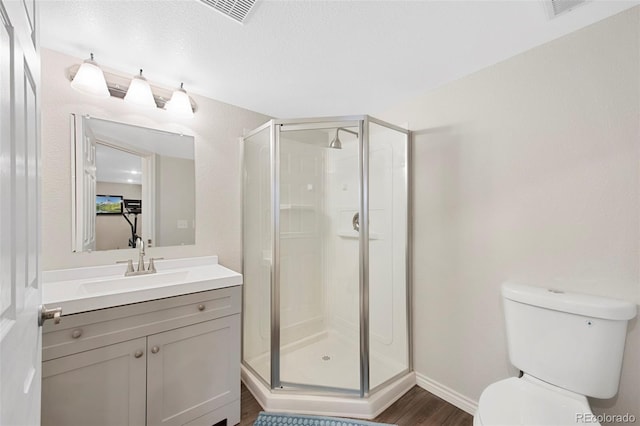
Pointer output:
x,y
139,92
180,104
90,80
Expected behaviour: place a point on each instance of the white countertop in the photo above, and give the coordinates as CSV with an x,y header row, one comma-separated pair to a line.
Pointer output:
x,y
98,287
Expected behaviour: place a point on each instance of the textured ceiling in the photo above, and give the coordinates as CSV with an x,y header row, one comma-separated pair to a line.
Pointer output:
x,y
307,57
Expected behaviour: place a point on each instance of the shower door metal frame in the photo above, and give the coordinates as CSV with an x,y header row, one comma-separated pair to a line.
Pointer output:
x,y
362,122
275,256
408,188
363,170
313,124
268,125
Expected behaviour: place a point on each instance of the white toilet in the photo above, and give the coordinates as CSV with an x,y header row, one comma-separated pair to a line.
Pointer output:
x,y
568,345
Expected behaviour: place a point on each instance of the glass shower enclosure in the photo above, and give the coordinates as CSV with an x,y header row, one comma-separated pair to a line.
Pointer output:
x,y
326,255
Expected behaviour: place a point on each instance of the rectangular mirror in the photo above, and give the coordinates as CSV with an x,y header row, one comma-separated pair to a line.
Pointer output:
x,y
131,182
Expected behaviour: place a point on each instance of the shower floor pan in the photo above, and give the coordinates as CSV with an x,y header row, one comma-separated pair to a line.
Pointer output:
x,y
332,361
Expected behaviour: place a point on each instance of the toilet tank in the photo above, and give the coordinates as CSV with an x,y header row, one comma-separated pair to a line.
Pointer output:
x,y
574,341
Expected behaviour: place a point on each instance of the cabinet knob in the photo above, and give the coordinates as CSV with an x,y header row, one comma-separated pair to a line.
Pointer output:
x,y
76,333
138,354
201,307
155,350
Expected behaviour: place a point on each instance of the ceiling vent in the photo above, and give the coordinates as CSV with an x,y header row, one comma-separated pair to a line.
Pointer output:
x,y
234,9
557,7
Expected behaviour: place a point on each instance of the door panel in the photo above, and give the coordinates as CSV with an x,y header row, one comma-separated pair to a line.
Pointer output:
x,y
192,371
100,387
6,180
256,247
20,294
388,232
85,191
31,175
319,257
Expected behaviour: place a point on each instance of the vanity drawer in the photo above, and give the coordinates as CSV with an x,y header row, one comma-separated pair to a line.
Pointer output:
x,y
90,330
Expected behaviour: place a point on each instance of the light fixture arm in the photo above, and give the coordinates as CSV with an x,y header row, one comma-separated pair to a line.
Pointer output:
x,y
345,130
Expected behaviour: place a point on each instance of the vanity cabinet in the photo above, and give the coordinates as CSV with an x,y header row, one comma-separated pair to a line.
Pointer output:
x,y
173,361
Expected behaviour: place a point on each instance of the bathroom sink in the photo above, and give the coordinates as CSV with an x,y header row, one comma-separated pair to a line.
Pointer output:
x,y
132,283
98,287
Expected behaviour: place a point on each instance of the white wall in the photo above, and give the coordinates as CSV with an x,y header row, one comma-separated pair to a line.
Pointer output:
x,y
175,201
216,127
528,171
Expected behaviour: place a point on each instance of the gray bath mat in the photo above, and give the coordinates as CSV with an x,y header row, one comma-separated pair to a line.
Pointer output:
x,y
284,419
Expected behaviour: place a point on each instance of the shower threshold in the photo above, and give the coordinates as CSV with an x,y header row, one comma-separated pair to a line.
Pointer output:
x,y
299,401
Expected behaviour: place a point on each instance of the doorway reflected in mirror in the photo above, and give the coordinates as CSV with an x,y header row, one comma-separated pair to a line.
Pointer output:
x,y
139,167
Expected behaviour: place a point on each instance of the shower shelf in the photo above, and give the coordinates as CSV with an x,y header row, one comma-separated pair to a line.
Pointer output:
x,y
355,235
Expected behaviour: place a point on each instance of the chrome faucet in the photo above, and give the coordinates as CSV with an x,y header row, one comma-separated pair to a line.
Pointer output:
x,y
141,269
141,253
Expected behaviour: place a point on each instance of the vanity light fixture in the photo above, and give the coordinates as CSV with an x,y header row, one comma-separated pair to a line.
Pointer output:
x,y
139,92
136,91
180,104
90,79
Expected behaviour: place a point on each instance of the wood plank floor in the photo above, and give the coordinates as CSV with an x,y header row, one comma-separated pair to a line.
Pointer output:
x,y
415,408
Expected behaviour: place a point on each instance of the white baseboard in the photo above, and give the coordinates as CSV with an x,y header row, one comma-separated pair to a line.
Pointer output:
x,y
446,393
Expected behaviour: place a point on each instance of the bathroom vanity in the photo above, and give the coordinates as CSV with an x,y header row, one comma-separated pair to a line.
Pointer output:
x,y
157,349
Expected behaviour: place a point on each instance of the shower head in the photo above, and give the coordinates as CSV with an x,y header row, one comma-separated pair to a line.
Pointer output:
x,y
336,143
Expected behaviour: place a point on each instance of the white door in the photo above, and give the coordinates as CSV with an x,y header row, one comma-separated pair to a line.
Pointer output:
x,y
20,294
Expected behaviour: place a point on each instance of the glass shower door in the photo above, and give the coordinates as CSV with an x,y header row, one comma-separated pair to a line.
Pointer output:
x,y
257,256
388,252
318,251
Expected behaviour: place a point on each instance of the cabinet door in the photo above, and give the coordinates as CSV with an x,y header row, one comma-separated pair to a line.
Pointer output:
x,y
100,387
192,371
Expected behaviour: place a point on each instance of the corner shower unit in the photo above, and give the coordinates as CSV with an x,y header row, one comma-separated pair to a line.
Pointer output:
x,y
326,321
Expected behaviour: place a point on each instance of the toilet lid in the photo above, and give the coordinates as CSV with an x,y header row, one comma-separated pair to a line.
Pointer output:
x,y
528,401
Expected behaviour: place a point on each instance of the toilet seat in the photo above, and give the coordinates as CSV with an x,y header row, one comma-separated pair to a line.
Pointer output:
x,y
529,401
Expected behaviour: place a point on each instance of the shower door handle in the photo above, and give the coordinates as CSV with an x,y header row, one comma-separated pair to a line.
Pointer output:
x,y
356,222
